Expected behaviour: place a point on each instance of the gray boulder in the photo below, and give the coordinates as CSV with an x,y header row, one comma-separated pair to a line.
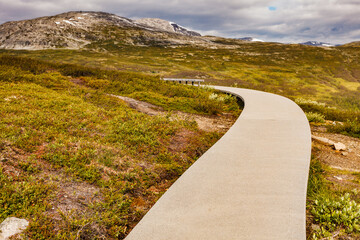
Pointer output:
x,y
339,146
12,226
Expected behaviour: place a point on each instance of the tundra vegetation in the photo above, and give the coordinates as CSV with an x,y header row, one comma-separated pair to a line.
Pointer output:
x,y
80,163
59,125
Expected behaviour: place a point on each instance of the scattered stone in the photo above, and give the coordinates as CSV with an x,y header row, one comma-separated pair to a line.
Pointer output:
x,y
315,227
338,178
344,153
11,226
339,146
323,140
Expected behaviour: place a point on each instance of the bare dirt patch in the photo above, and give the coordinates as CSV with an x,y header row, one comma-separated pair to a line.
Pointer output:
x,y
72,202
71,199
219,123
11,160
348,159
71,195
141,106
342,167
179,142
77,81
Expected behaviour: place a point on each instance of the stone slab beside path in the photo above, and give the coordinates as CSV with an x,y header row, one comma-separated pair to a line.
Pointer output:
x,y
11,226
250,185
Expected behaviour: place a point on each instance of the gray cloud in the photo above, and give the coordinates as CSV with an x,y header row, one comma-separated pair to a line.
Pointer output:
x,y
333,21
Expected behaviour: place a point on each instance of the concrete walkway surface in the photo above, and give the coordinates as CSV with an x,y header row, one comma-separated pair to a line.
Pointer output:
x,y
250,185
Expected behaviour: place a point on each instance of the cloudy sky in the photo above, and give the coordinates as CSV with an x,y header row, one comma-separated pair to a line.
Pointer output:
x,y
334,21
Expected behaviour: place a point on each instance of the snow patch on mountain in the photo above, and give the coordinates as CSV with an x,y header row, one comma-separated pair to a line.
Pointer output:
x,y
250,39
317,44
256,40
71,23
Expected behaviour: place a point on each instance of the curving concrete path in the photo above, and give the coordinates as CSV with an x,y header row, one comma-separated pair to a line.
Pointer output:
x,y
250,185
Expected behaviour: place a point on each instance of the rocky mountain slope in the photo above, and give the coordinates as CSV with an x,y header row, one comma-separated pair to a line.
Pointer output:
x,y
317,44
166,26
76,30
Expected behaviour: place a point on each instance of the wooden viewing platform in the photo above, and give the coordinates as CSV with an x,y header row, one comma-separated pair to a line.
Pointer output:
x,y
185,80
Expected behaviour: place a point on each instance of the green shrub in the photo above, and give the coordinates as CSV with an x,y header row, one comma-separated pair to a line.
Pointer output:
x,y
330,212
315,117
302,101
350,128
22,198
329,113
334,213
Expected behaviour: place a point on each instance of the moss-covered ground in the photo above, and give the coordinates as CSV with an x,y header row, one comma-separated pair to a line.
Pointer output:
x,y
60,128
79,163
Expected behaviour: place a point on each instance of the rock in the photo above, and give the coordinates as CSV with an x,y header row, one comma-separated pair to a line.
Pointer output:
x,y
344,153
315,227
323,140
339,146
11,226
338,178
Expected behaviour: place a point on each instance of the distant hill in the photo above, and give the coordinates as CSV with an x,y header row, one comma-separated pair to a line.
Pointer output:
x,y
74,30
352,44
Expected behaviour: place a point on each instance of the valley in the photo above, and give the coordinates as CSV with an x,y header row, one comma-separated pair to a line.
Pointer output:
x,y
101,161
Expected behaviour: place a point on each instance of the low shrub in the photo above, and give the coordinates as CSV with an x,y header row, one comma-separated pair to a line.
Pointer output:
x,y
326,112
329,210
350,128
335,213
60,128
315,117
137,85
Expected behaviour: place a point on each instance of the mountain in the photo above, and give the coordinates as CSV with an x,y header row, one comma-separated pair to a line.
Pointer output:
x,y
317,44
74,30
166,26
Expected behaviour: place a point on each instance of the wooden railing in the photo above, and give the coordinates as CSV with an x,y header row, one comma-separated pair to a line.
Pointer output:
x,y
184,80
